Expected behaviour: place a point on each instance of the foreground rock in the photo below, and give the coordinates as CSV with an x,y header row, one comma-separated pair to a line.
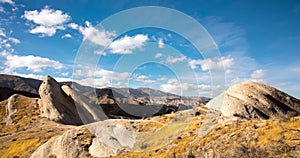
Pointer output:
x,y
252,100
101,139
22,129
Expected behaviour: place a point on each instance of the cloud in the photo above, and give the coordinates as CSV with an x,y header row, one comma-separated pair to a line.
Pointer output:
x,y
96,36
127,44
258,74
47,21
158,55
7,41
160,43
30,75
66,36
88,73
101,78
218,63
73,26
144,79
14,40
172,60
45,31
174,86
2,33
30,62
100,52
47,17
7,1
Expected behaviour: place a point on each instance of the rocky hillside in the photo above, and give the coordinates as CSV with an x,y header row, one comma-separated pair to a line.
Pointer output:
x,y
66,123
253,100
22,128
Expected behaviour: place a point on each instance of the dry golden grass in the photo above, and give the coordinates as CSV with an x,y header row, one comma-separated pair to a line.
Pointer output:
x,y
28,130
173,138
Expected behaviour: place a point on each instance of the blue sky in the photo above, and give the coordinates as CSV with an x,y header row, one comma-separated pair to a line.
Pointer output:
x,y
83,41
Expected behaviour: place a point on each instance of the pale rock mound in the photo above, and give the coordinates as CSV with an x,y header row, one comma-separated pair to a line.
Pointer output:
x,y
100,139
56,105
254,100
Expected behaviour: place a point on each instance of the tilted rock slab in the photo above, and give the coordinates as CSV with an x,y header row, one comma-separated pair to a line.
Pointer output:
x,y
57,105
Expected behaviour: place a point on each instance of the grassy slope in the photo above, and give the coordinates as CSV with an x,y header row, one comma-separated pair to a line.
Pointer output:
x,y
28,130
254,138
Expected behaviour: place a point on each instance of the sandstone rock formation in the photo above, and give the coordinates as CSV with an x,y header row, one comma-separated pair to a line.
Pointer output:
x,y
56,105
253,100
100,139
22,129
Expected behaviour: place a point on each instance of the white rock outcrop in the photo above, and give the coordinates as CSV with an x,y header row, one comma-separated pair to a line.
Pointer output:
x,y
255,100
99,139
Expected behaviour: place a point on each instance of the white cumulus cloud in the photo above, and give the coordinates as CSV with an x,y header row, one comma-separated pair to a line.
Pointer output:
x,y
174,86
30,62
48,31
67,36
73,26
96,36
258,74
101,78
127,44
7,1
47,21
100,52
144,79
14,40
213,64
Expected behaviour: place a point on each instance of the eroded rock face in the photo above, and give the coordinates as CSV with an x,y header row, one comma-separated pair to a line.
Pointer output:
x,y
100,139
56,105
254,100
73,143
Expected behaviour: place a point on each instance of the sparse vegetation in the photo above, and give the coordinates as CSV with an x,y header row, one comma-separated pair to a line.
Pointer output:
x,y
28,130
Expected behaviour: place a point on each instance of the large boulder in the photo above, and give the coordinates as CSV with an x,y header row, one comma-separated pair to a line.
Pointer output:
x,y
255,100
99,139
57,105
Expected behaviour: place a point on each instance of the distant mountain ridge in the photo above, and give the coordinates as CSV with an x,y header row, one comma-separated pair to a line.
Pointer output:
x,y
20,83
110,95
